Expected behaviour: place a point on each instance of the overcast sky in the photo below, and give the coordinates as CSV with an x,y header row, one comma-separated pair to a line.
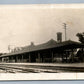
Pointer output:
x,y
22,24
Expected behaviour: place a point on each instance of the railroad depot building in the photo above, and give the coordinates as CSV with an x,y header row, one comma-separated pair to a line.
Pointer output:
x,y
49,52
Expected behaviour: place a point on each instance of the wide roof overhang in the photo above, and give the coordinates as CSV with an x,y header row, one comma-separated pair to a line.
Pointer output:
x,y
50,45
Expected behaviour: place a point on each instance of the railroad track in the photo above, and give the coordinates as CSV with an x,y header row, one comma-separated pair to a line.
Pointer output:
x,y
13,68
23,69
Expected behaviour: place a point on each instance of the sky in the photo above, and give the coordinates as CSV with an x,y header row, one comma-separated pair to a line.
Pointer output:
x,y
22,24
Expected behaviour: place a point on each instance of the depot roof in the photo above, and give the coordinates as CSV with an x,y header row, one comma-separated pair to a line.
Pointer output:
x,y
51,44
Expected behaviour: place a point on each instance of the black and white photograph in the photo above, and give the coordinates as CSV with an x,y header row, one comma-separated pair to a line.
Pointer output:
x,y
42,38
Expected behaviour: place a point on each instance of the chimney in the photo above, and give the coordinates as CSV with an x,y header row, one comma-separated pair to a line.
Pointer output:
x,y
32,43
59,37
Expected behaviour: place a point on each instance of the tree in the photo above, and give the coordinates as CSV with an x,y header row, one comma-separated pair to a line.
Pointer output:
x,y
80,53
81,37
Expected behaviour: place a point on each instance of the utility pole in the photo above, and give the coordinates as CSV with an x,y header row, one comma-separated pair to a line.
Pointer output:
x,y
9,49
65,31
